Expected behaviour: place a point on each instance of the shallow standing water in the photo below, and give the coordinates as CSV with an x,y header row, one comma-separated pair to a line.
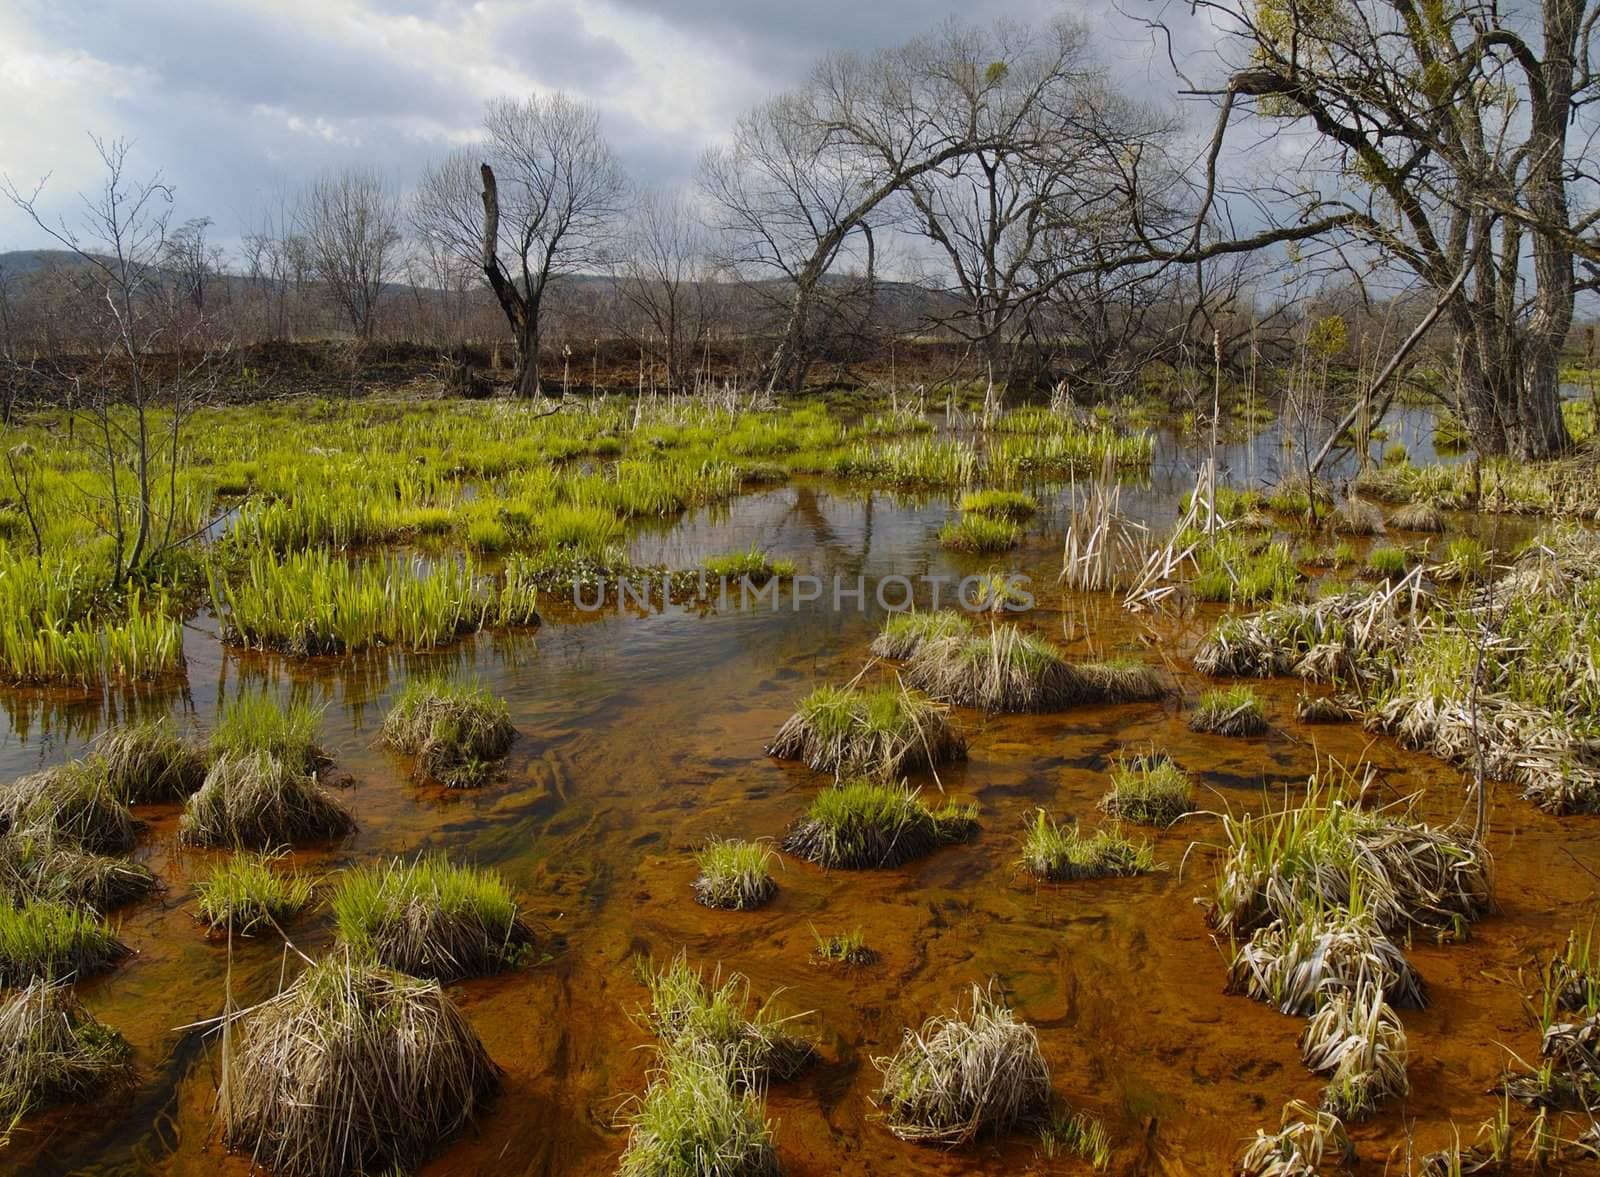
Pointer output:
x,y
641,737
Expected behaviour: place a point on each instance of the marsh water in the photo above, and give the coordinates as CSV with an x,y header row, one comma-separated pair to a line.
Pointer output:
x,y
641,737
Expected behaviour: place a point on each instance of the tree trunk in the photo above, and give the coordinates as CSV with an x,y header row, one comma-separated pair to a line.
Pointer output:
x,y
528,360
1510,390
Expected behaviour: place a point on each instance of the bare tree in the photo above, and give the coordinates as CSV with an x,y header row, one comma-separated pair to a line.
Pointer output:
x,y
550,193
136,401
190,261
663,277
1444,137
349,220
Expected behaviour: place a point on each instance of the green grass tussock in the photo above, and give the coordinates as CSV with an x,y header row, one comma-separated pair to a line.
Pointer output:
x,y
1230,711
980,535
712,1018
431,918
863,824
963,1075
694,1120
843,948
456,731
255,723
260,802
879,731
904,633
753,565
1006,670
1148,789
734,875
41,939
1012,505
351,1068
248,892
1059,854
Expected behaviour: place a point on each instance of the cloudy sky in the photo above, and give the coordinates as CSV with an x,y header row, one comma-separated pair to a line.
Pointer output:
x,y
237,101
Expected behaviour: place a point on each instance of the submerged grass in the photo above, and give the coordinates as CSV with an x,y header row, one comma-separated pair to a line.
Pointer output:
x,y
260,802
249,892
879,731
1059,854
352,1068
430,918
53,1050
962,1075
862,824
455,730
1149,789
734,875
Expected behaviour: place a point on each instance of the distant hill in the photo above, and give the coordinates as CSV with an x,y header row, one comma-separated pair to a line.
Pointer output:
x,y
26,261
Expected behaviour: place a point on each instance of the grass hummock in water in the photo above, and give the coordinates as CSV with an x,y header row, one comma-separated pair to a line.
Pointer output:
x,y
1014,505
42,864
880,731
455,730
255,723
53,1050
1328,852
904,633
1297,964
71,804
846,948
863,824
695,1120
711,1018
248,893
259,802
1121,680
1311,1141
1149,789
1059,854
150,762
980,534
1420,515
1357,1040
1229,711
1387,562
49,940
963,1075
753,565
431,918
734,875
1004,671
350,1069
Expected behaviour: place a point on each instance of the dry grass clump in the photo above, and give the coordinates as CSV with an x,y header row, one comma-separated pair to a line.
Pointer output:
x,y
149,762
1297,965
696,1120
1356,518
40,864
1330,853
1149,789
712,1019
1322,709
904,633
52,1050
351,1069
960,1076
1060,854
1122,680
1420,515
861,824
248,892
260,802
1357,1040
879,731
455,730
430,918
1342,630
49,940
734,875
1004,671
1231,711
1309,1141
73,803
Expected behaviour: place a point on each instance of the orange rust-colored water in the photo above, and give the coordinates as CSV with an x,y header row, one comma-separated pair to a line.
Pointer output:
x,y
641,737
